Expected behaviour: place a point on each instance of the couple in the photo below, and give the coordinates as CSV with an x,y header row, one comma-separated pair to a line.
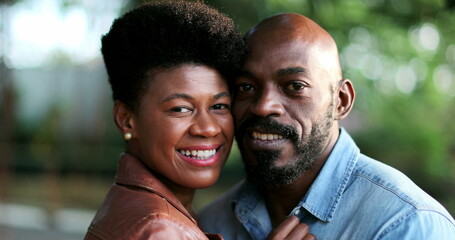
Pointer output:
x,y
172,67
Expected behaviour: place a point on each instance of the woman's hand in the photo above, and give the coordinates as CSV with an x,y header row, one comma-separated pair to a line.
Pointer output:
x,y
291,228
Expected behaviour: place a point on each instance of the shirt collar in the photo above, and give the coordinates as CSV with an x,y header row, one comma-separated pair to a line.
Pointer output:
x,y
325,193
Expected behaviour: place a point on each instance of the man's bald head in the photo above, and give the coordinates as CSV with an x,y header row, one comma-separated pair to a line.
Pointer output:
x,y
288,27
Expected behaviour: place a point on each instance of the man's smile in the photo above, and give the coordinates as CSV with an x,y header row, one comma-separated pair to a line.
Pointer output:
x,y
265,141
266,136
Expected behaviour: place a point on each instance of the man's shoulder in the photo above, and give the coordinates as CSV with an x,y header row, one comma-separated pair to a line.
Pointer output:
x,y
380,176
387,185
380,202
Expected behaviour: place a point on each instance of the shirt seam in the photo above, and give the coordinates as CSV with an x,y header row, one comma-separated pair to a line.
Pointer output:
x,y
396,223
399,195
415,208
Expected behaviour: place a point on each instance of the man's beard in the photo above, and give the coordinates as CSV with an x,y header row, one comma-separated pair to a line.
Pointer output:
x,y
265,174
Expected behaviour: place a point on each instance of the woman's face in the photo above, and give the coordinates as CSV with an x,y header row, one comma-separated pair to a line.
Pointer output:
x,y
183,129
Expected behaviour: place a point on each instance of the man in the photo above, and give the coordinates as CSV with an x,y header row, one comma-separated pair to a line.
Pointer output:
x,y
288,101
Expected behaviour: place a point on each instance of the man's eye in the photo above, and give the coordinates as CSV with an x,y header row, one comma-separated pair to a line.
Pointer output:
x,y
245,87
295,86
180,109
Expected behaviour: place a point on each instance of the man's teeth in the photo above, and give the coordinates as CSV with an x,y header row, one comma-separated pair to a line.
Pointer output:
x,y
198,154
268,136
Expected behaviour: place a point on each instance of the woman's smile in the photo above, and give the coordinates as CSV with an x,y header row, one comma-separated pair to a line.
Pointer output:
x,y
202,155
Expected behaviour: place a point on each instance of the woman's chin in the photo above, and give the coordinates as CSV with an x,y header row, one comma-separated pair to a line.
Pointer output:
x,y
202,183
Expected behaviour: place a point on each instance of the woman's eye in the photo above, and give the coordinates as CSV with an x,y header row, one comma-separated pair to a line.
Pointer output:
x,y
295,86
180,109
221,106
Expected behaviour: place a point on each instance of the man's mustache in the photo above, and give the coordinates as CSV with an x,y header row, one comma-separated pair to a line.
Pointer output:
x,y
267,123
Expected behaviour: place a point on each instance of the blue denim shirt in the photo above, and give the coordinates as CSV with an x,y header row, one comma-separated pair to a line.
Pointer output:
x,y
353,197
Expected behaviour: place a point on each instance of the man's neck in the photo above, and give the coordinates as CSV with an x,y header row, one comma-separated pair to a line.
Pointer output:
x,y
281,200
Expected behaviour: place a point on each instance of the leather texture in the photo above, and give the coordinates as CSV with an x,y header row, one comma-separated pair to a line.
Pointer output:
x,y
140,206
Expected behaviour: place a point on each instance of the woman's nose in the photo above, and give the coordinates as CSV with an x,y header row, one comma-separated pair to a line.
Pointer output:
x,y
205,125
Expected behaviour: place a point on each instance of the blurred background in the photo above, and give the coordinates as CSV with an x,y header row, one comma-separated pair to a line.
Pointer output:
x,y
59,147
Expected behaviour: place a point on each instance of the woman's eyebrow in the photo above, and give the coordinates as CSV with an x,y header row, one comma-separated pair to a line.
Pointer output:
x,y
186,96
177,95
222,94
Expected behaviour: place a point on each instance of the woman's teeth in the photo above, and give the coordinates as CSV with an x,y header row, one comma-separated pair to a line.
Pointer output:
x,y
260,136
198,154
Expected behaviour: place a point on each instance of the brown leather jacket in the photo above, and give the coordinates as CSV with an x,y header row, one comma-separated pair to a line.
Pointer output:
x,y
139,206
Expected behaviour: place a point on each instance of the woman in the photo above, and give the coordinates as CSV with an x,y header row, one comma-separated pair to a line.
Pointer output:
x,y
167,64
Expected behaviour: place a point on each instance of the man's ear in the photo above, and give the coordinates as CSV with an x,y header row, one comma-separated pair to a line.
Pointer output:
x,y
123,118
345,99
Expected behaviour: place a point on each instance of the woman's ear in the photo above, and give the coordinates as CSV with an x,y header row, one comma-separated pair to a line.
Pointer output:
x,y
345,101
123,118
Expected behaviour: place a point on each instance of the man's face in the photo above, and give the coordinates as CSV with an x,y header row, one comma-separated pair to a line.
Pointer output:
x,y
283,109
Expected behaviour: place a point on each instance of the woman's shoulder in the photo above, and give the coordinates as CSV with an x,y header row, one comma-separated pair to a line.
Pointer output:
x,y
165,226
128,213
155,225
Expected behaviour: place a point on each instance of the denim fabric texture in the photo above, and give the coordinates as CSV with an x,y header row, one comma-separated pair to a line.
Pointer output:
x,y
353,197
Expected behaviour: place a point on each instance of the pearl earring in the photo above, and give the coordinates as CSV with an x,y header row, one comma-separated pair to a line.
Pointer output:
x,y
127,136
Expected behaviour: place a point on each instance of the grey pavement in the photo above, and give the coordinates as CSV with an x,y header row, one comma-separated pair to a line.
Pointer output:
x,y
23,222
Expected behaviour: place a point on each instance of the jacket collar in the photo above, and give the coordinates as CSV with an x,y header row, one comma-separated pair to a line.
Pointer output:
x,y
132,172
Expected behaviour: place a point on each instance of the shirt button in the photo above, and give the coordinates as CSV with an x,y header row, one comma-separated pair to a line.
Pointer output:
x,y
297,212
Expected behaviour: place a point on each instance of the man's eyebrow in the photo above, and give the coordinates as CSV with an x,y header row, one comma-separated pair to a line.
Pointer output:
x,y
177,95
290,71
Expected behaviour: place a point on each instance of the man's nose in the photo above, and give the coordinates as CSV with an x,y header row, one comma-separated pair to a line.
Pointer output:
x,y
205,125
268,104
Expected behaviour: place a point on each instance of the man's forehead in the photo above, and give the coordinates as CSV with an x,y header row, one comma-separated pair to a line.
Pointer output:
x,y
289,23
280,54
288,28
292,40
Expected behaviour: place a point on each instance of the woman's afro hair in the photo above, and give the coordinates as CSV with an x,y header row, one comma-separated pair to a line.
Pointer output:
x,y
167,34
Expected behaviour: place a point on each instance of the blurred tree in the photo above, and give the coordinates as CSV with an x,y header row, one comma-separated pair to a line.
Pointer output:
x,y
7,103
